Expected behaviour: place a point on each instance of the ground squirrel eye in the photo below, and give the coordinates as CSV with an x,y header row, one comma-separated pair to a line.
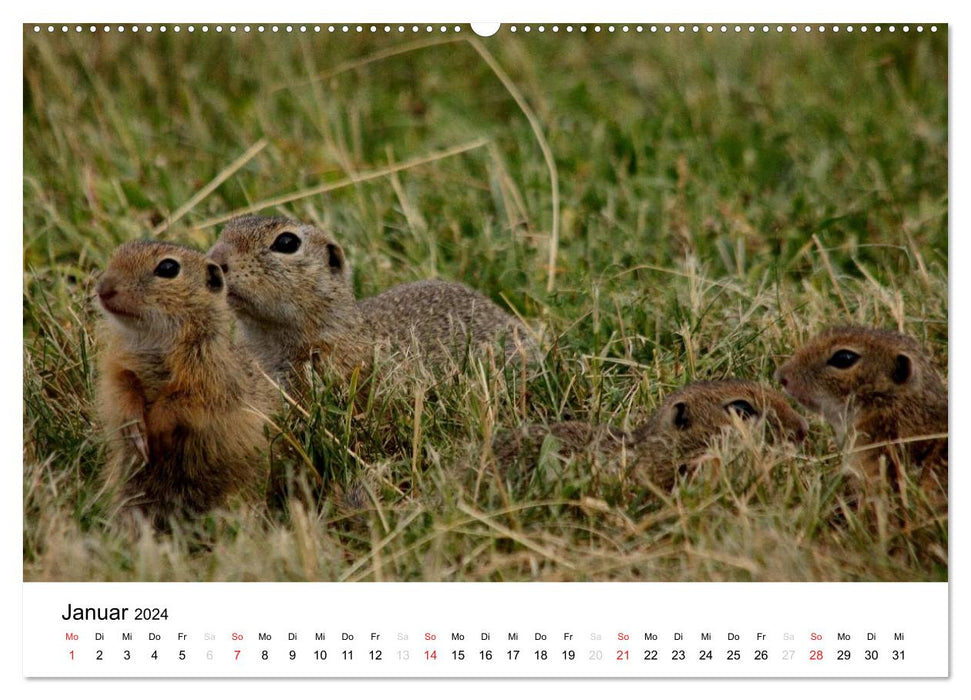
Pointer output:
x,y
168,268
742,408
286,242
843,359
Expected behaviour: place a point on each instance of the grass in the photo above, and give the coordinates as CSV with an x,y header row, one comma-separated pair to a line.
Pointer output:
x,y
718,200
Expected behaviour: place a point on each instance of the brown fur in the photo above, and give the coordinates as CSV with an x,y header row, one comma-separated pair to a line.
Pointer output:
x,y
182,407
299,308
676,435
891,393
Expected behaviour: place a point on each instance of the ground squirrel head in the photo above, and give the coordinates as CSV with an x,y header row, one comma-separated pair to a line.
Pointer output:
x,y
842,371
154,289
282,272
692,416
689,421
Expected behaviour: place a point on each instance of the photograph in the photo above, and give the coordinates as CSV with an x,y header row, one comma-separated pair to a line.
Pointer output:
x,y
406,303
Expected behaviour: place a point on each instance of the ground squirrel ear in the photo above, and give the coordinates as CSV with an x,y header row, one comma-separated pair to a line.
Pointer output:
x,y
335,257
681,420
214,277
902,369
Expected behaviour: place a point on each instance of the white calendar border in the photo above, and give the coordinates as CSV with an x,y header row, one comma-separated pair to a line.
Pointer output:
x,y
518,11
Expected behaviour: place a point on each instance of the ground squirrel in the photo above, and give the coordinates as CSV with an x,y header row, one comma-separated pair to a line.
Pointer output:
x,y
289,285
675,436
874,387
183,408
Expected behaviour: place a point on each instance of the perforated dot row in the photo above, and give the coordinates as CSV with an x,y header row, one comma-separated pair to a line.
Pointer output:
x,y
247,28
722,28
427,28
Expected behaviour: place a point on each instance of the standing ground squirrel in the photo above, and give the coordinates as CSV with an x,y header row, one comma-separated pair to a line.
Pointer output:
x,y
183,408
875,387
676,435
289,284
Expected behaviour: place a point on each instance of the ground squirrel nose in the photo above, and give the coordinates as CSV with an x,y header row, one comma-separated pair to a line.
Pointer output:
x,y
105,289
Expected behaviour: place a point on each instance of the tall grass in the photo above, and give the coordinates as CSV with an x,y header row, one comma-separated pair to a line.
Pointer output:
x,y
718,199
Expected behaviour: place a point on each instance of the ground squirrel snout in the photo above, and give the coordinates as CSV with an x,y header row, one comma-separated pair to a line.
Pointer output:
x,y
679,432
183,409
289,285
879,387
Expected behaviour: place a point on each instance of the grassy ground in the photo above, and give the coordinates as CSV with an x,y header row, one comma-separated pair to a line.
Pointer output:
x,y
718,198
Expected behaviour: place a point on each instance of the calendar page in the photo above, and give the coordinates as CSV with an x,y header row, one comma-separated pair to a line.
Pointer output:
x,y
513,350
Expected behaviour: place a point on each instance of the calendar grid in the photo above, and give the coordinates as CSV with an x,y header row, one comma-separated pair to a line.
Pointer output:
x,y
478,630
